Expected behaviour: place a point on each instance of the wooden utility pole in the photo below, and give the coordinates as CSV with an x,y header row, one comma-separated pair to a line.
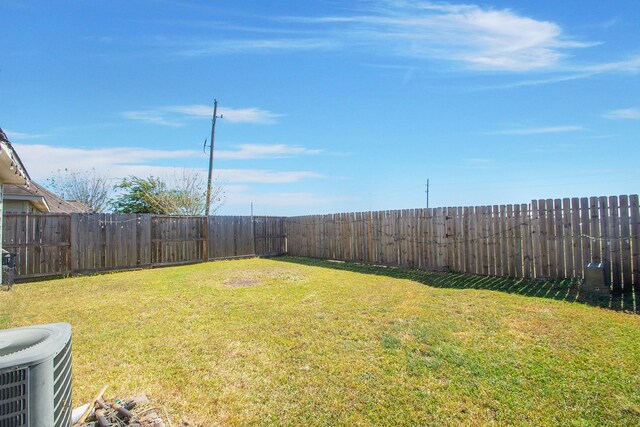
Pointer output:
x,y
213,132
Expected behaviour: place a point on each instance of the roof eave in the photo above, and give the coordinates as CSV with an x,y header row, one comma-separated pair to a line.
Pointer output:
x,y
39,202
12,171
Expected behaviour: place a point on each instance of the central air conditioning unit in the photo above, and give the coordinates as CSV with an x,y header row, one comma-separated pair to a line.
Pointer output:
x,y
35,376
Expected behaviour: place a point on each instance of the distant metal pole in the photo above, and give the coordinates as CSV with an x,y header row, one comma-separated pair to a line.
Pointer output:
x,y
213,131
427,191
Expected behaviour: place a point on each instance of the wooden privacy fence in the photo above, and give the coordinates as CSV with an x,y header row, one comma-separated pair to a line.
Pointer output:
x,y
547,238
55,244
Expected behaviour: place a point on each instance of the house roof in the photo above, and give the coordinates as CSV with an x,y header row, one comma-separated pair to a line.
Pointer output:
x,y
43,199
12,171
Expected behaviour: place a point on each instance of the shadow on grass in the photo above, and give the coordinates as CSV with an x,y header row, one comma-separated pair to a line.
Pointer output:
x,y
563,290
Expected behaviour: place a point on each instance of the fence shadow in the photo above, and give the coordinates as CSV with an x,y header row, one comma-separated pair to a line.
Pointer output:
x,y
562,290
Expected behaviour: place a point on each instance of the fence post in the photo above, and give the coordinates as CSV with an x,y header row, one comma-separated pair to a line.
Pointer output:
x,y
205,252
73,243
253,232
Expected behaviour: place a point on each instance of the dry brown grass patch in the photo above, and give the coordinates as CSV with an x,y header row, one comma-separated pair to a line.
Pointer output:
x,y
242,282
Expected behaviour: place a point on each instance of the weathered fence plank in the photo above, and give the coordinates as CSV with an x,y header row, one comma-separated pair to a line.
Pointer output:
x,y
614,244
595,229
567,238
601,241
576,242
625,244
517,213
634,216
527,249
585,231
511,247
551,239
559,238
497,234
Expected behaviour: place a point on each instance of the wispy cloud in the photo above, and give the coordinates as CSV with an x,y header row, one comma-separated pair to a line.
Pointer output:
x,y
249,115
234,115
284,199
566,73
256,151
625,113
43,160
480,37
538,130
15,136
150,116
262,45
176,115
631,65
464,36
196,110
265,176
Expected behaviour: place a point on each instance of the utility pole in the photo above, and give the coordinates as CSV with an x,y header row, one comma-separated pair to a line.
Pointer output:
x,y
427,191
213,131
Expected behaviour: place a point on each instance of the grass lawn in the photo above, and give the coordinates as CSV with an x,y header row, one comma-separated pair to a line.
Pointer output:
x,y
280,342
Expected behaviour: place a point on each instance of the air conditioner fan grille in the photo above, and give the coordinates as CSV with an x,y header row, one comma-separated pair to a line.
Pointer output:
x,y
13,398
62,386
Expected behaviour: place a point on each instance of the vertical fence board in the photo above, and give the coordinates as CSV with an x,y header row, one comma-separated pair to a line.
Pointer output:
x,y
559,237
460,261
472,241
497,241
449,242
601,241
567,238
491,242
585,229
486,256
517,213
527,249
614,244
576,239
625,244
551,239
466,239
536,239
544,254
634,216
511,247
594,228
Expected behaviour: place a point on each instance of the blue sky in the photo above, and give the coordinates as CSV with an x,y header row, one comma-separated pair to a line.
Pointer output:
x,y
330,105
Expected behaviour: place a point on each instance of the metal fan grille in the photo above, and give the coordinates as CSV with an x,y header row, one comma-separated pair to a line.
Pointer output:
x,y
13,398
62,386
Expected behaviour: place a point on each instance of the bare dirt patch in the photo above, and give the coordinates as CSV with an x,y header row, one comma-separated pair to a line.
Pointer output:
x,y
242,282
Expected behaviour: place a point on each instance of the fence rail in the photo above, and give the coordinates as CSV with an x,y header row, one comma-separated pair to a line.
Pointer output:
x,y
551,238
58,244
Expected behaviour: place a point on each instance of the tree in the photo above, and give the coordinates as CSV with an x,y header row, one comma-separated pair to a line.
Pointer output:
x,y
183,194
139,195
88,187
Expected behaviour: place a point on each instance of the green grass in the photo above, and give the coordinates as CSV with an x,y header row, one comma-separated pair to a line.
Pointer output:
x,y
283,343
